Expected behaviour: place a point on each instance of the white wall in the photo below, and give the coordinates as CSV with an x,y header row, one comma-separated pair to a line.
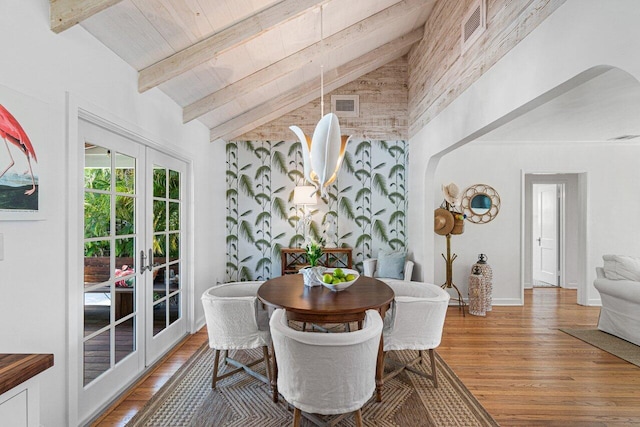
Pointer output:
x,y
43,66
611,179
579,40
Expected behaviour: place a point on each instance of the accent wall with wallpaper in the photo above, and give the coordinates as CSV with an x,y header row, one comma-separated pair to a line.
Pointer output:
x,y
365,207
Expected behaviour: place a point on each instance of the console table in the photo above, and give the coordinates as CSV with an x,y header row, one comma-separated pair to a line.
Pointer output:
x,y
293,259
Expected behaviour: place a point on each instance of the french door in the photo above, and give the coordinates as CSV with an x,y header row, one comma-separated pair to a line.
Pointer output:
x,y
165,315
133,305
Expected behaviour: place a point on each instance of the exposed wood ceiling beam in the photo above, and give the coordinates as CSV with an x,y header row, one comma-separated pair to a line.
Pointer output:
x,y
305,93
233,36
64,14
261,77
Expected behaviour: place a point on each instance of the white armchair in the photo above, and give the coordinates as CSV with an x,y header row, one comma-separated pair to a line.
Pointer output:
x,y
370,268
326,374
417,320
236,321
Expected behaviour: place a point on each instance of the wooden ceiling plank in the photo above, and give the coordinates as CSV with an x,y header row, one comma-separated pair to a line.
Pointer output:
x,y
207,49
307,92
64,14
276,70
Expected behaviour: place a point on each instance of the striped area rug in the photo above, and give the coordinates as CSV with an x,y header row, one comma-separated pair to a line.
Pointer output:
x,y
240,400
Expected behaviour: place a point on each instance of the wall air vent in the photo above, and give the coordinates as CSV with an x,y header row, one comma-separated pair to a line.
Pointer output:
x,y
474,23
345,105
623,137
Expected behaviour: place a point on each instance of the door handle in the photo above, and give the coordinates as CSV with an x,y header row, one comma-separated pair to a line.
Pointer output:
x,y
539,239
143,258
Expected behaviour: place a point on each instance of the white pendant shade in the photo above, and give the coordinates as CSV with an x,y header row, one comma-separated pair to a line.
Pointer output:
x,y
323,154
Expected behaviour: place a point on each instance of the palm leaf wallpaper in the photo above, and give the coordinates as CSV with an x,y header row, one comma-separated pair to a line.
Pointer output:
x,y
365,206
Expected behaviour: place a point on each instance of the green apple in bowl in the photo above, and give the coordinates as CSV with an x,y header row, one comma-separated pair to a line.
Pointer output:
x,y
339,279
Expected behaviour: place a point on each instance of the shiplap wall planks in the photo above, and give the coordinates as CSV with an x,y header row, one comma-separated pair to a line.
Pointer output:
x,y
438,73
383,109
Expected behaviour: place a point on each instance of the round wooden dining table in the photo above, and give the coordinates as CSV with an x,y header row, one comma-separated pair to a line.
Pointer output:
x,y
321,305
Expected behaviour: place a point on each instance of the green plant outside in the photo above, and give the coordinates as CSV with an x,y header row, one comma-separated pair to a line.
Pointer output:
x,y
97,210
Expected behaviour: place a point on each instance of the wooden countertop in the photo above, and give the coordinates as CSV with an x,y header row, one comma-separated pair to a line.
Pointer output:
x,y
18,368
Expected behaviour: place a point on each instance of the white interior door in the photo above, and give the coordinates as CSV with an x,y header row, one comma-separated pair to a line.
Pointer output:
x,y
131,306
545,234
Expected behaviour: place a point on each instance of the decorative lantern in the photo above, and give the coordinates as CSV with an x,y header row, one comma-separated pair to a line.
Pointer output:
x,y
487,276
477,293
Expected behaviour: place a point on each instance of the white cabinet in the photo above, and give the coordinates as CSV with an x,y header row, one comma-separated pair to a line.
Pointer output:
x,y
20,406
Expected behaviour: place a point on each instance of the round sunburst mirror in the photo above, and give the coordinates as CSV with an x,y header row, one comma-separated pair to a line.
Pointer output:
x,y
480,203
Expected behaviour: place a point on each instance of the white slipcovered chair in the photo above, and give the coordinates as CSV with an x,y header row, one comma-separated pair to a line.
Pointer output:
x,y
326,374
370,268
236,321
619,286
416,323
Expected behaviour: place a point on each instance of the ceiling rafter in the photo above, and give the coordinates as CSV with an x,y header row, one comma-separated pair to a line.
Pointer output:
x,y
64,14
233,36
278,69
307,92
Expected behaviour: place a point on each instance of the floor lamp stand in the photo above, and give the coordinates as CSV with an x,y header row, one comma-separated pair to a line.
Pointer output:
x,y
449,283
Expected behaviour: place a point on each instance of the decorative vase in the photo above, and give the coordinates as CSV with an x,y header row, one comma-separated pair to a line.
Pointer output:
x,y
312,275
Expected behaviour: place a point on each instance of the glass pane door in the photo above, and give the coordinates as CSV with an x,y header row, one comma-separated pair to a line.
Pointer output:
x,y
166,322
113,230
109,264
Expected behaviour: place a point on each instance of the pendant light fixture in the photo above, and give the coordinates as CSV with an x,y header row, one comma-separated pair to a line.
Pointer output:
x,y
322,154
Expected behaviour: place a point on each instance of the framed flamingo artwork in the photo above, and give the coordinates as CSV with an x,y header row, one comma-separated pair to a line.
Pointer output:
x,y
21,142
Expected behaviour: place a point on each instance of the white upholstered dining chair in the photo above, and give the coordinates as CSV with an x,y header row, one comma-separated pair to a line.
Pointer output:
x,y
327,374
236,321
416,323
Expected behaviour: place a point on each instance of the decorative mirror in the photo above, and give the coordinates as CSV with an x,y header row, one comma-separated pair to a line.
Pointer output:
x,y
480,203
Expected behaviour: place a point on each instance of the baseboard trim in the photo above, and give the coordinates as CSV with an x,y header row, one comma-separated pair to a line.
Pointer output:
x,y
494,302
507,301
595,302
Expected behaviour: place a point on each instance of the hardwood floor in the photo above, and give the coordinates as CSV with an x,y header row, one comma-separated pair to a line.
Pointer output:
x,y
527,372
130,403
515,361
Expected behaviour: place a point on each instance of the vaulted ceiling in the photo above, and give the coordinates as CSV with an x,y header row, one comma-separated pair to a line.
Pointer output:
x,y
229,63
